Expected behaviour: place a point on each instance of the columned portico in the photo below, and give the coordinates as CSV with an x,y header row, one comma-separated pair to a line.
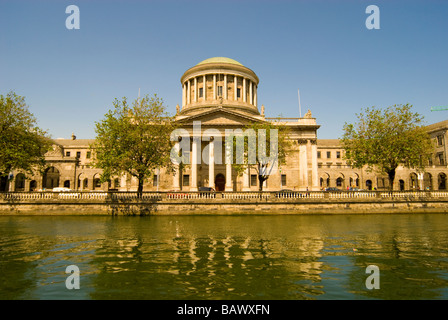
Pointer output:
x,y
221,94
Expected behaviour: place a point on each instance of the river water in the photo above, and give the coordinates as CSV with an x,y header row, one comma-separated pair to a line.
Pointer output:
x,y
225,257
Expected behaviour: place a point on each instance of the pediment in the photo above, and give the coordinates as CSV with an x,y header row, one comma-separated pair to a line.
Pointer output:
x,y
220,117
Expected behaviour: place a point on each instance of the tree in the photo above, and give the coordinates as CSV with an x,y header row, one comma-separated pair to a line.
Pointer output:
x,y
263,145
386,139
134,139
22,143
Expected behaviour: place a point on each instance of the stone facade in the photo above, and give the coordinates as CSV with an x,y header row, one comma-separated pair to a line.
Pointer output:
x,y
220,94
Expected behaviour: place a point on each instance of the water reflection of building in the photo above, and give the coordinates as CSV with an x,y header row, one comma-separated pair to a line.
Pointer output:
x,y
221,94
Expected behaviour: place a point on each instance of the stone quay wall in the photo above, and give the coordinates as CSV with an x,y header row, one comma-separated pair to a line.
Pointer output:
x,y
207,203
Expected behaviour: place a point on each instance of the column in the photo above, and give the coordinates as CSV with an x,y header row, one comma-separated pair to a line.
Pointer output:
x,y
244,89
225,87
235,88
246,177
183,95
194,165
229,183
195,94
214,87
255,95
204,85
188,92
123,182
211,163
420,176
250,92
303,166
176,186
228,161
314,172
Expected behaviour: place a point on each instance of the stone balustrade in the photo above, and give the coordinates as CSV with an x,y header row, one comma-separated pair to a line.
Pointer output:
x,y
249,195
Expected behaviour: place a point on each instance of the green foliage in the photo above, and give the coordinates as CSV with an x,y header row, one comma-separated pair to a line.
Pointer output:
x,y
252,147
22,144
134,139
386,139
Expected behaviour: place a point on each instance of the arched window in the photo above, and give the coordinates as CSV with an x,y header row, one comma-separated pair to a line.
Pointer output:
x,y
20,182
50,178
442,181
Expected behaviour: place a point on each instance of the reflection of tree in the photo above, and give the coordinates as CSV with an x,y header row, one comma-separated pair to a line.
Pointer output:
x,y
16,275
409,268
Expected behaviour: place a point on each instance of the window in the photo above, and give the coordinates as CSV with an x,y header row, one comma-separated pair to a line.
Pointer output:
x,y
253,180
238,93
339,182
67,154
219,91
328,154
88,154
319,155
283,179
201,92
441,159
338,154
186,180
440,140
155,180
78,154
117,183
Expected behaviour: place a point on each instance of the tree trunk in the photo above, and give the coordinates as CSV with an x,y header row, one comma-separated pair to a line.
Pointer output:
x,y
140,186
260,183
391,175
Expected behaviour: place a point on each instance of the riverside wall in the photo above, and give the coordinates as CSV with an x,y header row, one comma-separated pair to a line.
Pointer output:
x,y
222,204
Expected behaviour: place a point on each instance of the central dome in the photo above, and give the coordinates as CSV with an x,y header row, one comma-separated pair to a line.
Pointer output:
x,y
219,60
219,82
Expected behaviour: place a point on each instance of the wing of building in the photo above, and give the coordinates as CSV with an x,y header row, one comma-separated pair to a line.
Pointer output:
x,y
220,94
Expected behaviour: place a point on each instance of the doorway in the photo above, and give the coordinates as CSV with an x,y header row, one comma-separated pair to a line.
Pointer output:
x,y
220,182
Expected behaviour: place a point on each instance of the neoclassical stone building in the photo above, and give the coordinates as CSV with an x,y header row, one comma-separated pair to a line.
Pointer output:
x,y
220,94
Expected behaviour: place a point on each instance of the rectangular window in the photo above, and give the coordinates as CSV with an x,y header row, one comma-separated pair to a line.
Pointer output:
x,y
219,91
338,154
117,183
88,154
328,154
201,92
319,155
440,140
78,154
283,179
155,180
238,93
186,180
441,159
67,154
253,180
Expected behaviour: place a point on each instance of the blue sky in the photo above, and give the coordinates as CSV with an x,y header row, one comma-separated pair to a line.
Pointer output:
x,y
323,48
